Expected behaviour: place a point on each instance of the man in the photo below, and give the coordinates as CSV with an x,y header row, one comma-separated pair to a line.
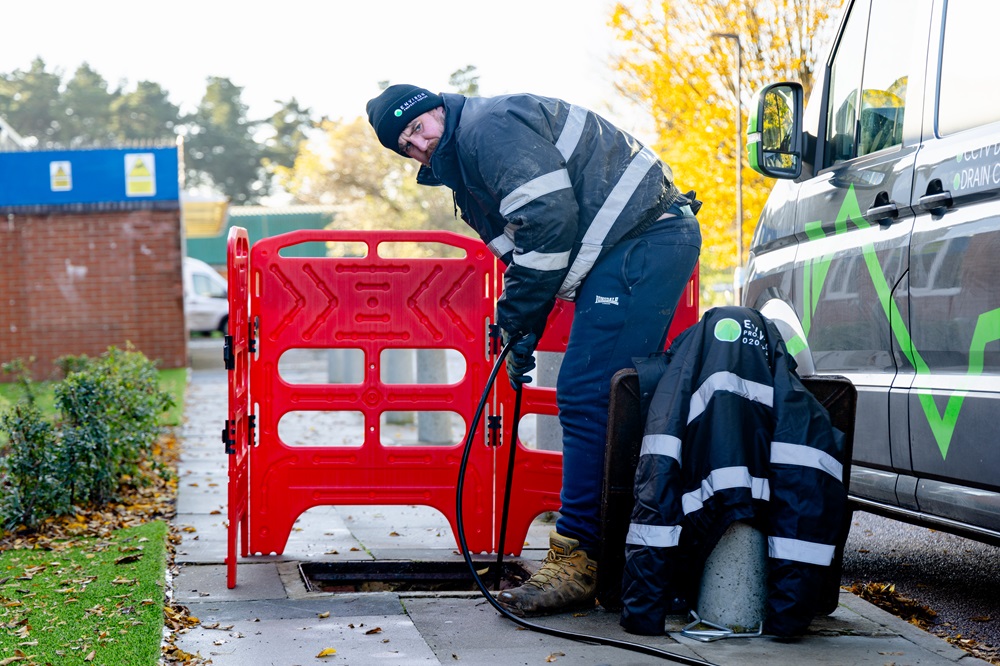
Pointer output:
x,y
576,209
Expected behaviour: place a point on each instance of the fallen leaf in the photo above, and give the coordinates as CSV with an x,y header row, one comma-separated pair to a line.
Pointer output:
x,y
981,618
555,655
327,652
376,630
325,615
90,657
128,559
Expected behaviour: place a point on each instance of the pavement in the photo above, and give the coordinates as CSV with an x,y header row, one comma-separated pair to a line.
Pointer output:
x,y
273,617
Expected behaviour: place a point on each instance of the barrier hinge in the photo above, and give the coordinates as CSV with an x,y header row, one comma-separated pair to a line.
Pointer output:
x,y
229,436
495,339
494,423
251,424
252,337
228,358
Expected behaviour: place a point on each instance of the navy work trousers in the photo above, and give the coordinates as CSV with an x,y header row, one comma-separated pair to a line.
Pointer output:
x,y
623,309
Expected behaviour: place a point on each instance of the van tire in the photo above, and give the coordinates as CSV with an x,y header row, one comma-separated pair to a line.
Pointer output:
x,y
224,325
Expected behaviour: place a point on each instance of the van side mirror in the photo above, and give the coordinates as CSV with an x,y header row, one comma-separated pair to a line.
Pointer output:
x,y
774,131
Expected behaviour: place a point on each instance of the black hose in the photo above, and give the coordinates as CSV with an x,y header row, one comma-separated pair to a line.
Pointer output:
x,y
581,638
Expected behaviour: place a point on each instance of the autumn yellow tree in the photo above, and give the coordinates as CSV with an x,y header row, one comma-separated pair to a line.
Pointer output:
x,y
677,63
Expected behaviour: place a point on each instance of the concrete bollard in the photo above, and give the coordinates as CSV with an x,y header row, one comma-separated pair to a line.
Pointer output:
x,y
734,583
432,369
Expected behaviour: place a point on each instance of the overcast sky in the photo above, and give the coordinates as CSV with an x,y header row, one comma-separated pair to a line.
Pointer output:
x,y
328,54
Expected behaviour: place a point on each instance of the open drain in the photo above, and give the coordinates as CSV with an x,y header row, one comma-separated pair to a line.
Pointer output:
x,y
405,576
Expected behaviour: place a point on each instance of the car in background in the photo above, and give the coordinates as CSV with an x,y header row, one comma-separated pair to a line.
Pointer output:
x,y
206,298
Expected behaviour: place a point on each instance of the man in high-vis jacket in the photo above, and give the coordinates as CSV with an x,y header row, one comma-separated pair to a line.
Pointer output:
x,y
576,209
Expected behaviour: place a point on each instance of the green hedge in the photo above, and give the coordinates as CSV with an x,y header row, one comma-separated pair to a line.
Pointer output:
x,y
107,419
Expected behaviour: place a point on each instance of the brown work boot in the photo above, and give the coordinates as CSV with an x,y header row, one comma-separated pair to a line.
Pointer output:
x,y
566,581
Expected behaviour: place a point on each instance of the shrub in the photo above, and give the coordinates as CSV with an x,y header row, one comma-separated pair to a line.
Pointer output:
x,y
31,488
111,410
107,421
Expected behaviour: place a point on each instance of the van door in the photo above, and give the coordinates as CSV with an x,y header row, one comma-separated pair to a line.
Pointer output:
x,y
954,299
858,219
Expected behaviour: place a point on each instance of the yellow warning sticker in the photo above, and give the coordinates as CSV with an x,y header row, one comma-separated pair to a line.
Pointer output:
x,y
140,174
61,176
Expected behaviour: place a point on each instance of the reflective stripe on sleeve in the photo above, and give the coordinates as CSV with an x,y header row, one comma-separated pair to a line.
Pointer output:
x,y
605,219
800,551
543,261
721,479
731,383
501,245
533,189
661,445
657,536
572,131
806,456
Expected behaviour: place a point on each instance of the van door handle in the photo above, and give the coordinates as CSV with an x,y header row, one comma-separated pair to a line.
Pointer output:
x,y
936,203
883,210
937,200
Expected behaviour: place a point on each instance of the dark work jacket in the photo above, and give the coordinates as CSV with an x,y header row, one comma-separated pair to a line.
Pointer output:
x,y
732,434
549,187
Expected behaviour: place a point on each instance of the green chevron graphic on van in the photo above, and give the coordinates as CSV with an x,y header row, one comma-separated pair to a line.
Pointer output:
x,y
987,328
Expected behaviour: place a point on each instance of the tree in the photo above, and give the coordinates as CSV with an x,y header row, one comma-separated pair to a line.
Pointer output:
x,y
146,113
88,104
30,101
288,126
219,150
684,78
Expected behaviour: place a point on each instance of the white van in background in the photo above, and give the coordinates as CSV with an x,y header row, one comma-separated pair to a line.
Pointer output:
x,y
206,302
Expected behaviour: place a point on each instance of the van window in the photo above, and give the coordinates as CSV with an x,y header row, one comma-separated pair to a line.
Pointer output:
x,y
845,76
205,286
882,79
970,81
883,83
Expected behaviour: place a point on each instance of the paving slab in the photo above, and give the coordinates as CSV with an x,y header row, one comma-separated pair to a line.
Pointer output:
x,y
271,617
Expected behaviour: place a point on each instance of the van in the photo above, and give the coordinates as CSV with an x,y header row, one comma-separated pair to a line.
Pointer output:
x,y
206,298
878,251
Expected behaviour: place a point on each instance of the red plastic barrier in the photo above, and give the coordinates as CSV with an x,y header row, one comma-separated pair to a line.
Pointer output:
x,y
237,432
375,303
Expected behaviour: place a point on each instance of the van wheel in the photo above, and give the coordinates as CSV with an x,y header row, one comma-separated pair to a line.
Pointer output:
x,y
224,325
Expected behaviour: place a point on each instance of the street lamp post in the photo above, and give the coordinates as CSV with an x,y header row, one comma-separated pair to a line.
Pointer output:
x,y
738,274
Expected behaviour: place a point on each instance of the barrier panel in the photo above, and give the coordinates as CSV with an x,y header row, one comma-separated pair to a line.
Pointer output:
x,y
375,304
239,424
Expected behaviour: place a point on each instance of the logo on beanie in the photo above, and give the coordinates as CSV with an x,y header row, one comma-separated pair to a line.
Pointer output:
x,y
410,102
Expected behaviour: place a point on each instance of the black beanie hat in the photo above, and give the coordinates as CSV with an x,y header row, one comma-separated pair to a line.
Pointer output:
x,y
392,111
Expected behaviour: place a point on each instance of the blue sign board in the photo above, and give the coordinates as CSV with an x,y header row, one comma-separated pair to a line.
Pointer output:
x,y
60,177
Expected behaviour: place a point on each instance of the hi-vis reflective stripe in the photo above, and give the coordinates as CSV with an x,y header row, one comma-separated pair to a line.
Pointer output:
x,y
806,456
605,219
721,479
504,243
800,551
533,189
543,261
657,536
572,131
501,245
727,381
661,445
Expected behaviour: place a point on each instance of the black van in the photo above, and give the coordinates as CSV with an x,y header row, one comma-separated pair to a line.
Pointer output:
x,y
878,251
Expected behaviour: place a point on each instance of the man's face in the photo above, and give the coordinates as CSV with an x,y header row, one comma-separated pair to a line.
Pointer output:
x,y
420,138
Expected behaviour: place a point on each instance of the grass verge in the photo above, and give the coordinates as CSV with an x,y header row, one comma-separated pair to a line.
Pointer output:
x,y
85,599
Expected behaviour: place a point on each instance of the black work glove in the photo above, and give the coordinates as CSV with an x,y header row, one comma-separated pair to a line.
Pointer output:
x,y
521,359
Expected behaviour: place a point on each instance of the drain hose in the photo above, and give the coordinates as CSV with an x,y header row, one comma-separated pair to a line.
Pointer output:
x,y
582,638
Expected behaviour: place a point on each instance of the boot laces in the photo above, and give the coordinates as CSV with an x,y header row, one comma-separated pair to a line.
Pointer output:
x,y
556,567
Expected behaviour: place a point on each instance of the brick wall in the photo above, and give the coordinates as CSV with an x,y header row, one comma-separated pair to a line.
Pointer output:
x,y
77,283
